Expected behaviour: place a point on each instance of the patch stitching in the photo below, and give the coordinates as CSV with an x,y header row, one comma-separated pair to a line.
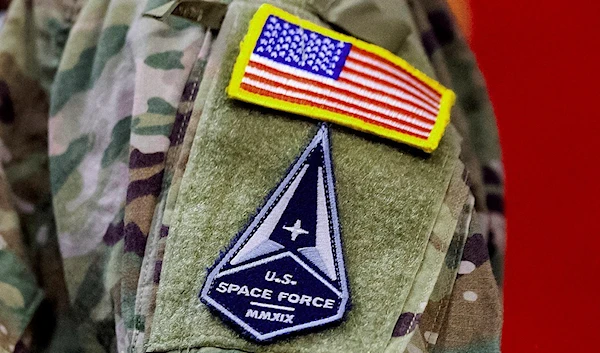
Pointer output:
x,y
330,221
271,82
240,241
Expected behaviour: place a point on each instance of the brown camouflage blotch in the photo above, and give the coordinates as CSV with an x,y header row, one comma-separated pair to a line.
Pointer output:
x,y
26,136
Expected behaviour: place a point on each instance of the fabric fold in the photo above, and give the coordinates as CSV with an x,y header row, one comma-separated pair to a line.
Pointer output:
x,y
443,234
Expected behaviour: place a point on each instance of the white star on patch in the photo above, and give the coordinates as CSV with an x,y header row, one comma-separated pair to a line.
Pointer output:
x,y
296,230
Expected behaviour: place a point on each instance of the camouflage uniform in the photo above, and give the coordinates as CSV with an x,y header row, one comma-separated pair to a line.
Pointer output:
x,y
101,109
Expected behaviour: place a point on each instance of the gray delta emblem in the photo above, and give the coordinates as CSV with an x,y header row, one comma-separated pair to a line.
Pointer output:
x,y
285,273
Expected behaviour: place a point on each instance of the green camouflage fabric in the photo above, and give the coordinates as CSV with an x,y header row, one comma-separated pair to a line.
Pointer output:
x,y
463,315
31,44
473,116
102,108
20,294
113,107
445,281
445,233
176,159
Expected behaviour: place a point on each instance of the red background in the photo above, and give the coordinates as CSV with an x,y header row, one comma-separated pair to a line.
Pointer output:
x,y
540,59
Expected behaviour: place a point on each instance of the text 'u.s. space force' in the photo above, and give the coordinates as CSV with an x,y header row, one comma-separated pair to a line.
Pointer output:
x,y
281,297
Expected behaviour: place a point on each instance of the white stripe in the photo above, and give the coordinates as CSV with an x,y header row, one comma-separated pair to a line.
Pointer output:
x,y
389,68
280,307
328,103
389,79
358,90
387,89
342,97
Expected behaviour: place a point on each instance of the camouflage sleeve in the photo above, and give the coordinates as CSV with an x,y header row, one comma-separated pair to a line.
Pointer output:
x,y
464,314
19,292
468,316
473,116
31,44
114,157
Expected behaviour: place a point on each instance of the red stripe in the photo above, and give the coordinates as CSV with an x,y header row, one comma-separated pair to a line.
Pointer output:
x,y
374,69
428,91
335,100
420,104
340,91
385,83
332,109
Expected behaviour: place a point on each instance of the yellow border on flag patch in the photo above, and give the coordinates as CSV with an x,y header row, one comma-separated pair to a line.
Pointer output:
x,y
247,46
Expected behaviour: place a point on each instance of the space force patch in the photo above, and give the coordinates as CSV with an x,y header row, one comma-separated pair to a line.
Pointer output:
x,y
293,65
285,273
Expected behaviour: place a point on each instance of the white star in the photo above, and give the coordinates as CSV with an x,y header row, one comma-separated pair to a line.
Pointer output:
x,y
296,229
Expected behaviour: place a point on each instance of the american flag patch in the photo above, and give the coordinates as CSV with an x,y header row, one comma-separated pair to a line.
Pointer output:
x,y
293,65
